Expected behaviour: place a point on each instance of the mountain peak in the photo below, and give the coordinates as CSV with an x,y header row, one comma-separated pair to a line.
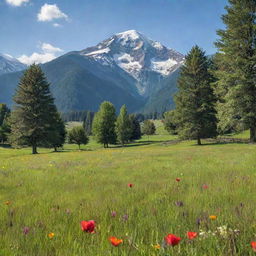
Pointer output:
x,y
129,34
138,56
10,64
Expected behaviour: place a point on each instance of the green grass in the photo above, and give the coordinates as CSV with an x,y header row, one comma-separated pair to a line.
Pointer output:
x,y
53,192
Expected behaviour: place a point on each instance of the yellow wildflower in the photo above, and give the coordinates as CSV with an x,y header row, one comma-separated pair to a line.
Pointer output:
x,y
51,235
157,246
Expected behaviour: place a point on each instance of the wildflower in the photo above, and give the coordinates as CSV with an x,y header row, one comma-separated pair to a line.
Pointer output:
x,y
253,245
205,186
179,203
172,240
198,222
157,246
88,226
51,235
205,234
223,231
115,241
213,217
178,179
26,230
125,217
191,235
7,202
130,185
113,214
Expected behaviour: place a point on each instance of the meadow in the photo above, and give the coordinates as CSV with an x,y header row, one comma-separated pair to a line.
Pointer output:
x,y
176,187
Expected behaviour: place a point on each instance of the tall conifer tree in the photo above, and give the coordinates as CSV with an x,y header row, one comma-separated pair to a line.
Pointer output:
x,y
236,66
135,127
195,112
31,118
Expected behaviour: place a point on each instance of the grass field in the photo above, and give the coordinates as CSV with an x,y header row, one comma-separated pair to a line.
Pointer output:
x,y
53,192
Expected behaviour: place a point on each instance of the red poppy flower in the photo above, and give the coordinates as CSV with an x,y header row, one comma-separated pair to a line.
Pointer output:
x,y
130,185
88,226
191,235
115,241
172,240
205,186
253,245
178,179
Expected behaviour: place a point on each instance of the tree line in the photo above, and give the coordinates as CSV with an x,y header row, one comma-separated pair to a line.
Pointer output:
x,y
81,116
218,95
35,121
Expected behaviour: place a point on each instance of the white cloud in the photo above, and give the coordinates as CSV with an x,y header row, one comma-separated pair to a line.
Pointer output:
x,y
48,48
50,12
48,53
16,2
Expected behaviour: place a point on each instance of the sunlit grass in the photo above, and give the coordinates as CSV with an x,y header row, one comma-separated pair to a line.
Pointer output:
x,y
53,192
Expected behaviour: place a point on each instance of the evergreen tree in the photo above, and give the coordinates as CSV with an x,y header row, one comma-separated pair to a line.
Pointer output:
x,y
135,127
57,133
148,128
195,112
4,112
5,129
236,66
103,126
87,124
170,122
31,118
123,126
4,123
78,136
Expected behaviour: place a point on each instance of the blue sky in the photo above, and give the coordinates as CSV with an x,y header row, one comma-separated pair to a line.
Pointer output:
x,y
48,28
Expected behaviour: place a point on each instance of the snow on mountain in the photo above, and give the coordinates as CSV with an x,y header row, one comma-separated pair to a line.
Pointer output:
x,y
145,60
9,64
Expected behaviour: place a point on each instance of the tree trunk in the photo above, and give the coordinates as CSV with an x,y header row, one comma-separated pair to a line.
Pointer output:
x,y
107,145
34,149
252,135
79,146
55,149
199,141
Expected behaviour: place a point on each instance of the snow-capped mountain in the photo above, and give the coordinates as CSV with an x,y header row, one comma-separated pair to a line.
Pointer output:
x,y
9,64
147,61
127,68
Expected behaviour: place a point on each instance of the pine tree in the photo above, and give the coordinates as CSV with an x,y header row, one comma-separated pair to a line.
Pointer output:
x,y
4,112
236,65
31,117
195,112
78,136
57,132
135,127
103,126
123,126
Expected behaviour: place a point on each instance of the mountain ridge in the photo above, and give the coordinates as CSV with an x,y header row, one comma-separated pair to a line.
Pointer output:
x,y
127,68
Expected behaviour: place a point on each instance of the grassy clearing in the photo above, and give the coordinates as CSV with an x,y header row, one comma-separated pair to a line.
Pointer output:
x,y
53,192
